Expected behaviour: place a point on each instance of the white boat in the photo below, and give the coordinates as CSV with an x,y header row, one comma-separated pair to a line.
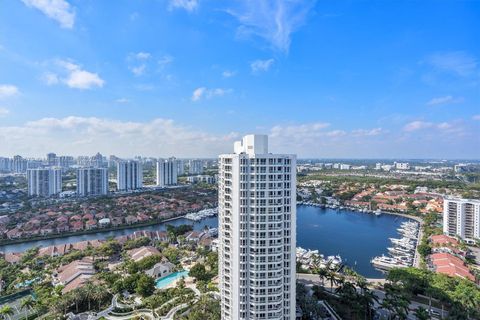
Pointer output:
x,y
378,212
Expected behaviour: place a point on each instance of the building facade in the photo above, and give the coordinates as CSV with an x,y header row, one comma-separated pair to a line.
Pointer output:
x,y
129,175
166,172
44,182
92,181
461,218
257,232
195,166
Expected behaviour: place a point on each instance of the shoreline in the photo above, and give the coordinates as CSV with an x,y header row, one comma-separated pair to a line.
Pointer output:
x,y
86,232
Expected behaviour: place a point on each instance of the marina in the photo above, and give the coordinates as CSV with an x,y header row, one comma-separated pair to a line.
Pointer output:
x,y
312,259
202,214
402,252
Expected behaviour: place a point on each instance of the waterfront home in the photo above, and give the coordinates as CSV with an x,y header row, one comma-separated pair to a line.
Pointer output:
x,y
74,274
194,236
105,222
161,269
131,219
90,224
13,257
14,233
142,252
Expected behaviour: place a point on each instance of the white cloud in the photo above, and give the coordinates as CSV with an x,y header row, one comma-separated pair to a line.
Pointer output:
x,y
203,92
122,100
367,132
165,60
272,20
84,136
73,76
138,70
476,117
188,5
228,74
444,100
4,112
417,125
142,55
58,10
261,65
8,90
457,62
50,78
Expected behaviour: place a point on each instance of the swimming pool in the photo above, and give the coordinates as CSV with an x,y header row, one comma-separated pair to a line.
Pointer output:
x,y
165,281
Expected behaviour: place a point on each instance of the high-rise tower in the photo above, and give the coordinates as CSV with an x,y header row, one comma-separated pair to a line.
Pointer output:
x,y
257,231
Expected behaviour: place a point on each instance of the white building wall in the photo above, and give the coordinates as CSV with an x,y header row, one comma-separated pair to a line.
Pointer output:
x,y
166,172
460,215
257,232
129,175
44,182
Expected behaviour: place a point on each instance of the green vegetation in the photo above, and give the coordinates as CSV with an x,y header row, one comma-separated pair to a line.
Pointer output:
x,y
461,296
206,308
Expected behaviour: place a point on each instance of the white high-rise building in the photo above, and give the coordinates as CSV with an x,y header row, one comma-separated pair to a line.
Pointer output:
x,y
180,167
44,182
257,232
166,172
195,166
92,181
129,175
461,217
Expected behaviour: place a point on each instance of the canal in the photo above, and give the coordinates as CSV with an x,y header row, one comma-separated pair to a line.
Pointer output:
x,y
356,237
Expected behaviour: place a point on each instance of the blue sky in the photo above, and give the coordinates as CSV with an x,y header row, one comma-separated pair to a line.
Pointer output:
x,y
361,79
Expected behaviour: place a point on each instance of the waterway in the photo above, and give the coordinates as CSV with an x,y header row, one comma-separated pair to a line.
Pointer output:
x,y
356,237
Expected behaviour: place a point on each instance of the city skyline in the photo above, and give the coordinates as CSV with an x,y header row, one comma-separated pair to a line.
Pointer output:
x,y
188,78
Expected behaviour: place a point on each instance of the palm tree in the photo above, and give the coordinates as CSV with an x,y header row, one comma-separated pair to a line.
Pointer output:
x,y
27,304
100,295
89,293
422,314
6,311
323,273
332,277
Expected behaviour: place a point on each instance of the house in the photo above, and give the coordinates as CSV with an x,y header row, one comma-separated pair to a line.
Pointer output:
x,y
161,269
13,257
142,252
91,224
74,274
104,222
450,265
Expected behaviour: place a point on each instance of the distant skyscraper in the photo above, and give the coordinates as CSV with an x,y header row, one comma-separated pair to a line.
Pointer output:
x,y
180,167
461,218
257,230
195,166
51,159
97,161
92,181
166,172
5,164
129,175
65,161
19,164
44,182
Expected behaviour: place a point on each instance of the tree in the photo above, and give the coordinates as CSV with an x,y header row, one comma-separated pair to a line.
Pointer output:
x,y
6,311
395,301
145,286
422,314
323,273
27,304
199,272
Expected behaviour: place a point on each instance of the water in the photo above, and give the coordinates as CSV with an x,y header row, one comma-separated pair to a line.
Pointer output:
x,y
165,281
20,247
356,237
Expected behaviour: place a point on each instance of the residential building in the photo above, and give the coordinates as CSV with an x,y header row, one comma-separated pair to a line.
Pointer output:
x,y
75,274
161,269
5,164
402,165
195,166
180,167
143,252
461,218
92,181
129,175
202,179
51,159
19,164
65,161
44,182
166,172
257,232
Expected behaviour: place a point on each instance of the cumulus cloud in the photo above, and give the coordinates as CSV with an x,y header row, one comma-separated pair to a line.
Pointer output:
x,y
261,65
8,90
417,125
165,60
203,92
86,135
142,55
453,127
456,62
58,10
138,70
73,76
188,5
444,100
228,74
272,20
476,117
122,100
4,112
367,132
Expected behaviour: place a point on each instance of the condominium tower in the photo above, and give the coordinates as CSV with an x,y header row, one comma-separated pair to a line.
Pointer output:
x,y
166,172
257,231
92,181
129,175
44,182
461,217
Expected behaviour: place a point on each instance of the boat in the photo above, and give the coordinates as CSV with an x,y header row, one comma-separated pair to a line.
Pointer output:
x,y
378,212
